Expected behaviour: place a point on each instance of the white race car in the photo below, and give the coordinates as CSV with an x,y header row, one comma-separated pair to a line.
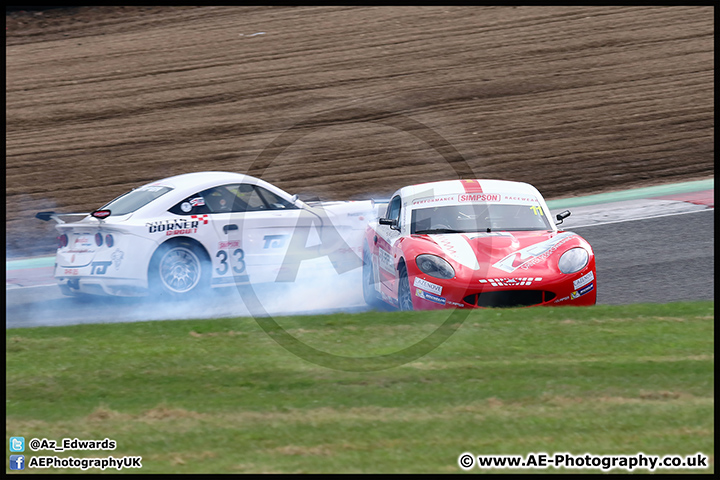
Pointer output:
x,y
182,234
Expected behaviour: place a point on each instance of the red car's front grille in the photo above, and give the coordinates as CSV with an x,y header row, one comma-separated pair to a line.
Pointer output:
x,y
509,298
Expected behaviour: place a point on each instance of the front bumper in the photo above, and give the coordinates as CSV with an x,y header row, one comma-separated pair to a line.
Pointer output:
x,y
524,292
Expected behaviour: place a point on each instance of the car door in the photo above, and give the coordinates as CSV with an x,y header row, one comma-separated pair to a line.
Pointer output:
x,y
263,235
205,213
386,256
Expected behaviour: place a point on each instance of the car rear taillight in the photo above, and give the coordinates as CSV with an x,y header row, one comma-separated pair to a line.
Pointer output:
x,y
98,239
62,241
109,240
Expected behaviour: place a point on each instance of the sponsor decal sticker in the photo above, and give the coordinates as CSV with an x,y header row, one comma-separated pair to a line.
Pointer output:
x,y
562,299
426,200
510,282
430,296
425,285
71,271
386,261
174,227
99,268
518,198
582,291
479,197
274,241
229,244
84,241
584,280
185,207
197,202
117,257
186,231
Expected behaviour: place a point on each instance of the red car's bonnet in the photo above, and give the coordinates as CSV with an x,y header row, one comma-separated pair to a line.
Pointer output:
x,y
488,249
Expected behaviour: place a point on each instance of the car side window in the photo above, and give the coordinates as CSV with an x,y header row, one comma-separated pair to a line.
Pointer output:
x,y
213,200
273,201
192,205
240,197
253,198
246,198
393,210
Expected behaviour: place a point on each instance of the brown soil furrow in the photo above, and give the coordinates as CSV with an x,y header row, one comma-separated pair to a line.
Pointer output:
x,y
576,100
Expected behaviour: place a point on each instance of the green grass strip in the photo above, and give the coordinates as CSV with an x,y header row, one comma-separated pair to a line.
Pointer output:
x,y
220,396
634,194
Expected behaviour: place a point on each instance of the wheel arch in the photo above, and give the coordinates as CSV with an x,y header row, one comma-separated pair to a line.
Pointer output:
x,y
189,240
179,239
402,263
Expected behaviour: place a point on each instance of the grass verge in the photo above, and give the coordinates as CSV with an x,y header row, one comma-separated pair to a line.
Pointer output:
x,y
220,396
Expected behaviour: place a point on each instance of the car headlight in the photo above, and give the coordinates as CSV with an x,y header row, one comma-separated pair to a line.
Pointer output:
x,y
573,260
434,266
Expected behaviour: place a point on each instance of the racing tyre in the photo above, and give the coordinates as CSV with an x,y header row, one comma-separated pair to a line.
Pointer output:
x,y
404,295
179,269
369,292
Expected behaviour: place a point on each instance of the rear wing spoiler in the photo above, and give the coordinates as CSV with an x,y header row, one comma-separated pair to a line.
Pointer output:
x,y
47,216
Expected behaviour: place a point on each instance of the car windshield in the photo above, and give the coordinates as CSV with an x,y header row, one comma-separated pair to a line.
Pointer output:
x,y
131,201
478,217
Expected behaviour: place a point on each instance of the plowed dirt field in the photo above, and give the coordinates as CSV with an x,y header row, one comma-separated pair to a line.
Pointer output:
x,y
575,100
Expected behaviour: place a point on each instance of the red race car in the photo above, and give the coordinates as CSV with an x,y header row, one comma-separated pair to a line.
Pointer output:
x,y
474,243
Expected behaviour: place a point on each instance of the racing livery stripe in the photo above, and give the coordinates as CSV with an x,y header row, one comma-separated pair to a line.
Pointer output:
x,y
471,186
458,248
533,254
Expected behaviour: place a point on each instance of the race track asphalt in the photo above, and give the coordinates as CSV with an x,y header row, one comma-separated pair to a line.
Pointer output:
x,y
657,260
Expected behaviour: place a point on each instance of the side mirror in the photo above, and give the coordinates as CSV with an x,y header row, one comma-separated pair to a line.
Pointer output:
x,y
295,200
392,223
562,216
